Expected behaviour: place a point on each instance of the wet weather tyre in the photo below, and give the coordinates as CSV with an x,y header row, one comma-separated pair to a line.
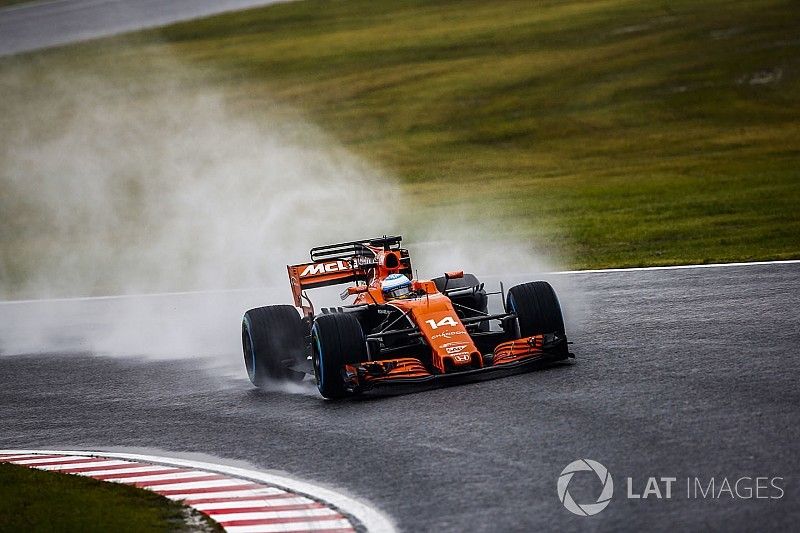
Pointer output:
x,y
336,340
537,308
272,340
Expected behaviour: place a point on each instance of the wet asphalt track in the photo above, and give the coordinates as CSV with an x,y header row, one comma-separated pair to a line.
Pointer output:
x,y
679,373
45,23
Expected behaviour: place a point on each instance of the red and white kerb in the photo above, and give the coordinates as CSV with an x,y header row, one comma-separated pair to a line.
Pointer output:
x,y
238,505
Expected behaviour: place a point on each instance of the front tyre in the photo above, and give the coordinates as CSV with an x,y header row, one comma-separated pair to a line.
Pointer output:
x,y
272,341
336,340
538,311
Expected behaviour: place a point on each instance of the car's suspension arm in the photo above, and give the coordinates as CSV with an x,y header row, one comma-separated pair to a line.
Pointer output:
x,y
415,332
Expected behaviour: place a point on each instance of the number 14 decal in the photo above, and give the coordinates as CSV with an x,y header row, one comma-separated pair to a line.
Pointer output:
x,y
446,321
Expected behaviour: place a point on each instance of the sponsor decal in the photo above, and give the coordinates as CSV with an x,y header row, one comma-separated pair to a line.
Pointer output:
x,y
454,347
446,321
316,269
448,334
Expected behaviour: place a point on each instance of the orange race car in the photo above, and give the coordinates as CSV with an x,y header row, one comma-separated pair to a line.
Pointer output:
x,y
398,331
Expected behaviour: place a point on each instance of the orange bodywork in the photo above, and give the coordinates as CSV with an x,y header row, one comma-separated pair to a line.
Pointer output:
x,y
452,348
375,371
518,349
437,320
433,313
372,372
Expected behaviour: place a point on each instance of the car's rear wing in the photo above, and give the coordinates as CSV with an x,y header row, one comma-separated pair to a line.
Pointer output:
x,y
322,274
347,250
345,263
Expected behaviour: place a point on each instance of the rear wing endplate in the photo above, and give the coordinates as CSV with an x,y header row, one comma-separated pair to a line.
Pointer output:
x,y
322,274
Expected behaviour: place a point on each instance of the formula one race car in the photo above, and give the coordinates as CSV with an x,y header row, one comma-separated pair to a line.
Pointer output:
x,y
398,331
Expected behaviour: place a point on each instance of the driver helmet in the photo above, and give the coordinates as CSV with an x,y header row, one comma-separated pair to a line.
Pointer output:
x,y
396,286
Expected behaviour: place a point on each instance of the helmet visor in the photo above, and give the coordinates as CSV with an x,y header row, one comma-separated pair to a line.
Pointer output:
x,y
398,292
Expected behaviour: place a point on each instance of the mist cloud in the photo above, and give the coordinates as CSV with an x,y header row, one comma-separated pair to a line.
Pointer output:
x,y
118,183
116,186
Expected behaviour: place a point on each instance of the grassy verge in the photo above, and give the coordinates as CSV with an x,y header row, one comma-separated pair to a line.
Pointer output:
x,y
34,500
617,132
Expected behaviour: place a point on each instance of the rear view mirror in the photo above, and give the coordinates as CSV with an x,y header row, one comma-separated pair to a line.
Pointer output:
x,y
350,291
359,289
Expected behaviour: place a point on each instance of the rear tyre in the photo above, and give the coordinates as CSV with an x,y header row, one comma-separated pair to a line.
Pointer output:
x,y
537,309
477,299
272,340
336,340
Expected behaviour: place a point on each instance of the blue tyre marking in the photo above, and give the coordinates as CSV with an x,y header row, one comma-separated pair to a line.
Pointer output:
x,y
251,374
319,356
513,309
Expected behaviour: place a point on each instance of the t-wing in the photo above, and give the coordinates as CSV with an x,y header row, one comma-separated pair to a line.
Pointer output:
x,y
367,261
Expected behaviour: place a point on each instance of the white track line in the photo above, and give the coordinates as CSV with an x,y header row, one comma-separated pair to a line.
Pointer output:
x,y
256,289
15,457
678,267
129,296
371,519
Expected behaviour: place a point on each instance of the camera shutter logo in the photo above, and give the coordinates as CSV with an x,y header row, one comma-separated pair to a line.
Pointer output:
x,y
585,509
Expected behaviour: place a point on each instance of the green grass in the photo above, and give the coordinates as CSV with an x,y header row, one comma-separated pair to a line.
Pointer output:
x,y
4,3
34,500
610,132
